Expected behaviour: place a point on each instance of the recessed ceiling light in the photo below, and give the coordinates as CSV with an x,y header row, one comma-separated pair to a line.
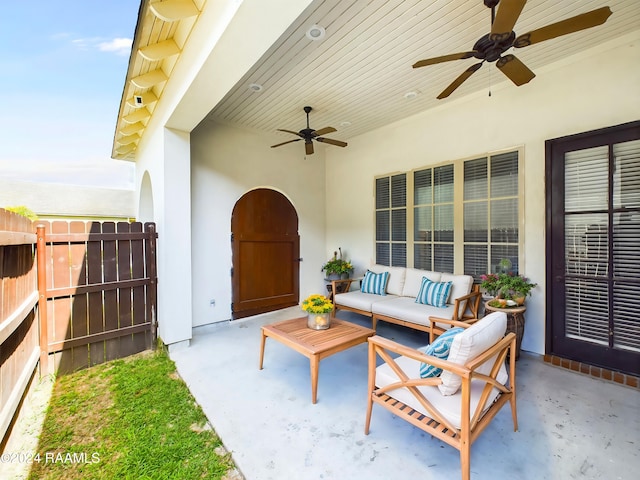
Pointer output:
x,y
410,95
345,124
255,87
315,32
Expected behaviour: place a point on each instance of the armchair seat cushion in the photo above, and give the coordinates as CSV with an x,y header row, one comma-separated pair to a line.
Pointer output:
x,y
449,406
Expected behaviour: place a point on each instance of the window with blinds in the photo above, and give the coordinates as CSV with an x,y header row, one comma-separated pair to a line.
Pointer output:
x,y
433,216
490,211
602,241
488,190
391,220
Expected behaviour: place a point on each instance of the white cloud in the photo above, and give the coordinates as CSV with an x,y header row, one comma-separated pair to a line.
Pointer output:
x,y
121,46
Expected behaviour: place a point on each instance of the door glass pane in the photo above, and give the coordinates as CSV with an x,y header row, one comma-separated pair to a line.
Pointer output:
x,y
587,310
585,185
626,177
586,244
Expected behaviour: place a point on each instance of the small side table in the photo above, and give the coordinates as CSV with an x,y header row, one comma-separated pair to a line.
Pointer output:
x,y
515,321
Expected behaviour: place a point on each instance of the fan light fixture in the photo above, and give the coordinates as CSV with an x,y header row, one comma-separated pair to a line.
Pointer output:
x,y
315,33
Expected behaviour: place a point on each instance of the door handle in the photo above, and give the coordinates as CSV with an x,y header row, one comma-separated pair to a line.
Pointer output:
x,y
297,259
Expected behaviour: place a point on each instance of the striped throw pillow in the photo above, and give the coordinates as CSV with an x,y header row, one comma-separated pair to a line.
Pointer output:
x,y
375,283
434,293
439,349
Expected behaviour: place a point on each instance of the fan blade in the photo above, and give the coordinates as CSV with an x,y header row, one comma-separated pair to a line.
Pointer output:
x,y
337,143
308,147
324,131
506,18
570,25
290,131
444,58
459,81
513,68
284,143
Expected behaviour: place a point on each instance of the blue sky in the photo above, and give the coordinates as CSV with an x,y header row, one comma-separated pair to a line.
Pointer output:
x,y
62,71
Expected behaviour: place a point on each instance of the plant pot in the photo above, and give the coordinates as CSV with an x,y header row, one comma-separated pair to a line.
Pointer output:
x,y
519,300
319,321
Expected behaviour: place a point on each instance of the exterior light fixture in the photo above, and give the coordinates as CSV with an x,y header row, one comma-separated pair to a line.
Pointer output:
x,y
316,33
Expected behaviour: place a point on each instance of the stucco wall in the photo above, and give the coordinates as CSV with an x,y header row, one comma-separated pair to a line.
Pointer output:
x,y
591,91
227,163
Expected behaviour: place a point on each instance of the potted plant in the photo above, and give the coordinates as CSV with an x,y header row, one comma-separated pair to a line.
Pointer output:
x,y
507,286
336,268
319,310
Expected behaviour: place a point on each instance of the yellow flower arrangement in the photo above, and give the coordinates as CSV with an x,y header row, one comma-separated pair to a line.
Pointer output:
x,y
317,304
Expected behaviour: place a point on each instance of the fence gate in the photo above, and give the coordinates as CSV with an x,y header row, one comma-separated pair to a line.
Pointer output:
x,y
97,284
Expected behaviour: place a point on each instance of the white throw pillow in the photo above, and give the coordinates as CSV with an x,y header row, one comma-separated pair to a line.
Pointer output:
x,y
469,344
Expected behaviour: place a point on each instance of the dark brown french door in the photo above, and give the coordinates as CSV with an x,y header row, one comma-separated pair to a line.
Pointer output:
x,y
593,247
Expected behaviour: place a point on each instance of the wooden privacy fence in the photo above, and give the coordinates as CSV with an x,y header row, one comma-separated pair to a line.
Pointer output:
x,y
98,293
72,295
19,347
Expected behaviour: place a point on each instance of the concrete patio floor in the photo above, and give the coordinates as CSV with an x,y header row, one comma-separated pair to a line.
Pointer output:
x,y
570,425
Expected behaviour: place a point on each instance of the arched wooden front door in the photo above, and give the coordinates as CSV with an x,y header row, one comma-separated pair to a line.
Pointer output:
x,y
266,251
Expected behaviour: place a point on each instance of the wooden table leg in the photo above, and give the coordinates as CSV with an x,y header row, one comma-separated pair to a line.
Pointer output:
x,y
263,339
315,366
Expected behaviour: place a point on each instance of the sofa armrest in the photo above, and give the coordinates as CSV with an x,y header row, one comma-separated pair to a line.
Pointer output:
x,y
466,307
340,286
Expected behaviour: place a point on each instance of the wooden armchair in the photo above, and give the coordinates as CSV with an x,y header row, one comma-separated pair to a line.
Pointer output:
x,y
460,403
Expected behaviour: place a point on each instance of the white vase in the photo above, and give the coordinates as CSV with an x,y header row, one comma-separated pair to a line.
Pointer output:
x,y
319,321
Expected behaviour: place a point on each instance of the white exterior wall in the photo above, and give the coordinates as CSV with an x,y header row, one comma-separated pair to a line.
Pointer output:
x,y
593,91
226,164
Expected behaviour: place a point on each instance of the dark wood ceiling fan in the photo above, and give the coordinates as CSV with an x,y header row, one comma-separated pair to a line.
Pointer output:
x,y
309,135
491,46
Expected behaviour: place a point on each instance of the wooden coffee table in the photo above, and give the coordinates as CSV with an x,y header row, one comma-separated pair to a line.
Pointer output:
x,y
315,344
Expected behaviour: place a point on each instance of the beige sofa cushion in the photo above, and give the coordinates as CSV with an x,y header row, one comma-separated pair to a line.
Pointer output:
x,y
461,285
361,301
406,308
413,280
472,342
396,277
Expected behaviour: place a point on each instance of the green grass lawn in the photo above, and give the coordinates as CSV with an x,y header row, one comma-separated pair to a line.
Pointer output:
x,y
127,419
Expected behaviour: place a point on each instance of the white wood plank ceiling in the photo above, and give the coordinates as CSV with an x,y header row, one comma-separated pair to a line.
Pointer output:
x,y
357,78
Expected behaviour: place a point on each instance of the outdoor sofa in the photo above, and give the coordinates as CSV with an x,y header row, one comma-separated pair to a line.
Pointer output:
x,y
409,296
